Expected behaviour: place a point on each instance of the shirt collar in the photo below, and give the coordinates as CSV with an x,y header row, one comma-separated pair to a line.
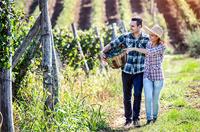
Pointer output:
x,y
142,35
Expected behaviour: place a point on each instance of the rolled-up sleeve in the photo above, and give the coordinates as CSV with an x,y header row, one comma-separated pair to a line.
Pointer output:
x,y
156,50
118,41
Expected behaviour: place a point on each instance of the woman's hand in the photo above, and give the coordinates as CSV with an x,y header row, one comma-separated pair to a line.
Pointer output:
x,y
129,49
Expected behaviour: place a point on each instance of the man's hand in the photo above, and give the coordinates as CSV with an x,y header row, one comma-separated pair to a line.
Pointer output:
x,y
103,56
105,49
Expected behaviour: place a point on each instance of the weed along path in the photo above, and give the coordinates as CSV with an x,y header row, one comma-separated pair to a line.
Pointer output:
x,y
85,14
112,11
179,100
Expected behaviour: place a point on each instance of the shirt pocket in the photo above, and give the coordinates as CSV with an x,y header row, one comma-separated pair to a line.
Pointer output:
x,y
142,44
156,67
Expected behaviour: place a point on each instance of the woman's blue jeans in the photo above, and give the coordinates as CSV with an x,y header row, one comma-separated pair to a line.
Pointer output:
x,y
152,95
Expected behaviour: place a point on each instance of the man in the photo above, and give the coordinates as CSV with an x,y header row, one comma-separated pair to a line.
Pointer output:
x,y
132,72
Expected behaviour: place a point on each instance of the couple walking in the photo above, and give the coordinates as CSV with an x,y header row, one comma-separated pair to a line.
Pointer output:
x,y
142,69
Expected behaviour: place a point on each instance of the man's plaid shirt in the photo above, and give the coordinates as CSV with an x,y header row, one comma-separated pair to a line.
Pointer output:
x,y
135,60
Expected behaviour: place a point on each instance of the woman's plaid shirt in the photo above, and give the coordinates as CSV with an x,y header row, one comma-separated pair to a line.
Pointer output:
x,y
153,62
135,60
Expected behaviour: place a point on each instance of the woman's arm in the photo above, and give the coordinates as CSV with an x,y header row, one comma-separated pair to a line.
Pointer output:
x,y
150,52
157,50
141,50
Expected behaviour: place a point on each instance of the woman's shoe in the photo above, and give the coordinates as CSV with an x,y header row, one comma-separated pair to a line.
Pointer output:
x,y
148,122
154,120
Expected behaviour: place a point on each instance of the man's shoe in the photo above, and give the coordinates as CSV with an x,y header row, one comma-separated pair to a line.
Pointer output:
x,y
128,124
136,123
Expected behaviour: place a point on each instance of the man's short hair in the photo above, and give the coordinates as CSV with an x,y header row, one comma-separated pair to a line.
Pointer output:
x,y
138,20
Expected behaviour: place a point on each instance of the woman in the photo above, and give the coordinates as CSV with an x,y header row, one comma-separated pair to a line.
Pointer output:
x,y
153,75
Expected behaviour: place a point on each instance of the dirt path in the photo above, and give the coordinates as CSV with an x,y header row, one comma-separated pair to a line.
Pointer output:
x,y
117,120
195,6
174,24
136,7
112,11
58,8
84,21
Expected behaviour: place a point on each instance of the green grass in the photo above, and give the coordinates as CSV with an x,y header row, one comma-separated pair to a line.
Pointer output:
x,y
174,120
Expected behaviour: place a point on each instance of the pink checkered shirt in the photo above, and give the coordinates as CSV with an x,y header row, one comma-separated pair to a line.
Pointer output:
x,y
153,62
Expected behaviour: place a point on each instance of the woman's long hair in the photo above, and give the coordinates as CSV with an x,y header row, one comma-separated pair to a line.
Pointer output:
x,y
159,41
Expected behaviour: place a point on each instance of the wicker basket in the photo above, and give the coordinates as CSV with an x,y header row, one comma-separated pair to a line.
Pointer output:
x,y
117,61
117,57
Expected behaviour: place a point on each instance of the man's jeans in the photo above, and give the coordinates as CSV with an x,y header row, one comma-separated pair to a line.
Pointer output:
x,y
152,94
130,80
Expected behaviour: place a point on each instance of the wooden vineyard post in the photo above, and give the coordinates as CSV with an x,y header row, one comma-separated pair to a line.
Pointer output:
x,y
47,53
80,48
34,31
101,47
55,73
6,86
114,32
122,27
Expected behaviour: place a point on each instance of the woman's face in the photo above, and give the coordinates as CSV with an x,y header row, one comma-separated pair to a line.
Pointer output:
x,y
154,38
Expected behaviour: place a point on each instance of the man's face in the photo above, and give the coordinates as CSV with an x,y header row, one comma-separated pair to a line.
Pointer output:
x,y
134,27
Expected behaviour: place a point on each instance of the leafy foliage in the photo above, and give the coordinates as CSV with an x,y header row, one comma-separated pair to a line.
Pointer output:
x,y
67,47
6,14
193,40
73,113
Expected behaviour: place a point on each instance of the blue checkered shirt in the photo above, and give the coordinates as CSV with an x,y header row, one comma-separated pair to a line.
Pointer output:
x,y
135,60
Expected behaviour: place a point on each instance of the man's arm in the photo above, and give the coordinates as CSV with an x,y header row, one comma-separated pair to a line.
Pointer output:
x,y
115,43
105,49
